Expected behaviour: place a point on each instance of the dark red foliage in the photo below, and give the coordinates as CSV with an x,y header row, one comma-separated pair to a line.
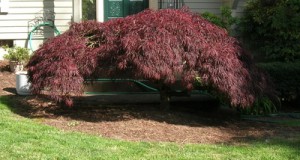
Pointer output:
x,y
160,46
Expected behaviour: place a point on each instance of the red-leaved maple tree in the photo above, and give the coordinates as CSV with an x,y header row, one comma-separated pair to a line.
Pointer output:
x,y
161,46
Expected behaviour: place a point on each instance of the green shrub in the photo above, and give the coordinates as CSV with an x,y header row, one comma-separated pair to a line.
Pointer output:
x,y
272,28
225,20
215,19
262,106
18,54
286,79
88,10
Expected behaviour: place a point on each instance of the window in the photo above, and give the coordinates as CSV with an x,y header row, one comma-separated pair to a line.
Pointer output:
x,y
175,4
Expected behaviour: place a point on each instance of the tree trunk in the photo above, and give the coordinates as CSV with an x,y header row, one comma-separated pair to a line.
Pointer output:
x,y
165,98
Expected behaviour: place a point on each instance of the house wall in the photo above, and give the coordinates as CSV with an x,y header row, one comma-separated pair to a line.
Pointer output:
x,y
238,10
212,6
153,4
15,24
201,6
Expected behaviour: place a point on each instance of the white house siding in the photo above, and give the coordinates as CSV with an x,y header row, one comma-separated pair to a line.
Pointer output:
x,y
153,4
212,6
238,10
14,25
201,6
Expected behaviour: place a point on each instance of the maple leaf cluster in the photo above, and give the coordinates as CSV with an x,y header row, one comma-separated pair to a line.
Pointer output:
x,y
160,46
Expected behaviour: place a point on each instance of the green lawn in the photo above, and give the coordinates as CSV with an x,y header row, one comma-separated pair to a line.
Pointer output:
x,y
22,138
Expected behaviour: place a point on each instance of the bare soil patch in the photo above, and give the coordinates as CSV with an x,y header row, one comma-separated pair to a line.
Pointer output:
x,y
186,122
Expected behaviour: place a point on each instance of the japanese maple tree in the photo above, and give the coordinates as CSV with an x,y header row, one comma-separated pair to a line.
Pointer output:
x,y
161,46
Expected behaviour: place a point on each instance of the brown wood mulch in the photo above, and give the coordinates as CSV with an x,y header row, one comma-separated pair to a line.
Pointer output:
x,y
184,123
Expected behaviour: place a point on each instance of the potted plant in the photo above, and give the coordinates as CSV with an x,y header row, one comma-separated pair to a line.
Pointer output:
x,y
17,56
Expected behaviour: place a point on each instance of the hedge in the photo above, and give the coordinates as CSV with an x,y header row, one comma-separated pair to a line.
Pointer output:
x,y
286,79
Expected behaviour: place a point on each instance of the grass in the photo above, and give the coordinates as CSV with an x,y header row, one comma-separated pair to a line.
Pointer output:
x,y
22,138
289,122
295,123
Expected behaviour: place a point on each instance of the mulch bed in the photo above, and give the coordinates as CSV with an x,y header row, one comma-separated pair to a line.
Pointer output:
x,y
142,122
